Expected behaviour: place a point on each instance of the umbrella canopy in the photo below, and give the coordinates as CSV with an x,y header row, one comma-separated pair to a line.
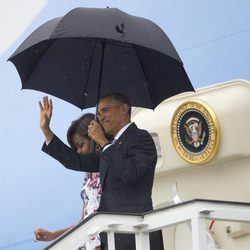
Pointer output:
x,y
90,52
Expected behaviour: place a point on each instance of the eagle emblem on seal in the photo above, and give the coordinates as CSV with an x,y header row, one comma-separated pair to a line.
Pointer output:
x,y
195,134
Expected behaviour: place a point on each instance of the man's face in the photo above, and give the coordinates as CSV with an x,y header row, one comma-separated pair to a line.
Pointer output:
x,y
111,115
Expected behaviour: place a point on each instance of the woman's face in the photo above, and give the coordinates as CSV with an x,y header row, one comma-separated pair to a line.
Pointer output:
x,y
81,143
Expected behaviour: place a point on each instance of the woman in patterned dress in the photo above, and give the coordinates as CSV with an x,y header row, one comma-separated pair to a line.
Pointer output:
x,y
78,139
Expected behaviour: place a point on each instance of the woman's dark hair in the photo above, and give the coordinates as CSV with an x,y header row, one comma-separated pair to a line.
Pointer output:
x,y
79,126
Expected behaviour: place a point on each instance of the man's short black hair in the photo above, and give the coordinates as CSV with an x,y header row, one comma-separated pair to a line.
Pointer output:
x,y
119,97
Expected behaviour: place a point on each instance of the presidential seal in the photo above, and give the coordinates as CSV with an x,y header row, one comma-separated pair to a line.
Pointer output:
x,y
195,132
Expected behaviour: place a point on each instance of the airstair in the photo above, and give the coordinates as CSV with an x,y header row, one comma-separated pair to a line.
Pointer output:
x,y
196,212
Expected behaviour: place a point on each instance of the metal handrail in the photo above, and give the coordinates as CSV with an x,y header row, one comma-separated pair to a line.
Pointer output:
x,y
196,211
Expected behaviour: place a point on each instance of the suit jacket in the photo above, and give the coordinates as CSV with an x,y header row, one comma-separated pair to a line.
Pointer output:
x,y
126,173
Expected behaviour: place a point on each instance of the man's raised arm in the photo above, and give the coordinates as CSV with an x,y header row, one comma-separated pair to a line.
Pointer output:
x,y
45,116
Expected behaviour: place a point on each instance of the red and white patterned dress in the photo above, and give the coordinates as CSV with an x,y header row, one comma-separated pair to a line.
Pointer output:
x,y
91,195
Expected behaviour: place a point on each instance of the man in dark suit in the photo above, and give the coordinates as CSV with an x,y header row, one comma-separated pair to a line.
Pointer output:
x,y
126,167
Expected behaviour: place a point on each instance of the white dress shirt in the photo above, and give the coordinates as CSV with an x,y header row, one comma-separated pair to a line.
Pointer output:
x,y
121,131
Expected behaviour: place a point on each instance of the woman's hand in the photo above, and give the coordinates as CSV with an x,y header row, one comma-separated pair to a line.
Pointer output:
x,y
44,235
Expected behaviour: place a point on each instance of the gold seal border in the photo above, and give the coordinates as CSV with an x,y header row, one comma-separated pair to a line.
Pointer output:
x,y
214,128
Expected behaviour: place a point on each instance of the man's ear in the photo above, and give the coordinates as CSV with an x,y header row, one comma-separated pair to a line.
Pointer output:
x,y
125,109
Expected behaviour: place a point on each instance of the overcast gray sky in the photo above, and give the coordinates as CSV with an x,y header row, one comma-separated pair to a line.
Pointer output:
x,y
213,39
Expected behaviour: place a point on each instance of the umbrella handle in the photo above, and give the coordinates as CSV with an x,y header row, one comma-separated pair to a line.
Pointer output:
x,y
92,146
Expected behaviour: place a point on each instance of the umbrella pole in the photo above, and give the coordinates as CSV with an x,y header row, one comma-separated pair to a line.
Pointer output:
x,y
103,45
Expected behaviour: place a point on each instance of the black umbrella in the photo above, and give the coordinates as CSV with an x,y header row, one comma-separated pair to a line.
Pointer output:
x,y
90,52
